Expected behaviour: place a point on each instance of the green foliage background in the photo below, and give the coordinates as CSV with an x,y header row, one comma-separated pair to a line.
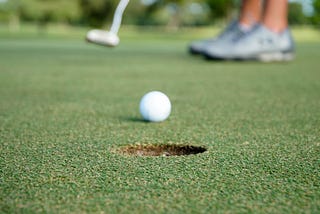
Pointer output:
x,y
161,12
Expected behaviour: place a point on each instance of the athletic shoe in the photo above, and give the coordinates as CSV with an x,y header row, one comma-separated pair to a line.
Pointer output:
x,y
259,43
197,47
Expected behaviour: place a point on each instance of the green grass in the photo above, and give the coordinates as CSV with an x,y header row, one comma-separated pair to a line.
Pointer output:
x,y
66,106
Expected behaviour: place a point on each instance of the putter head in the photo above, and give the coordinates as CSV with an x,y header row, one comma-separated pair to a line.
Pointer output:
x,y
101,37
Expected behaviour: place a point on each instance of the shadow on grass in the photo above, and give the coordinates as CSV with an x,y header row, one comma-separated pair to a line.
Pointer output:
x,y
134,119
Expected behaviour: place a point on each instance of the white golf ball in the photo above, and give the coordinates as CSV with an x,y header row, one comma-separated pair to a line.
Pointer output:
x,y
155,106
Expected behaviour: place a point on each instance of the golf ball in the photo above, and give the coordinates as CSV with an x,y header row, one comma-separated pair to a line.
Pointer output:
x,y
155,106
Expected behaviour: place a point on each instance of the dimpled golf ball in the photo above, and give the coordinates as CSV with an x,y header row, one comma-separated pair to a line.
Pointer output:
x,y
155,106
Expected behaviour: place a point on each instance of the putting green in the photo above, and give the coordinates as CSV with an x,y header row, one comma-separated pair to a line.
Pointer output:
x,y
66,107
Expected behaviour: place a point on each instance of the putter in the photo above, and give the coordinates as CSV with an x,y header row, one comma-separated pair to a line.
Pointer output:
x,y
109,38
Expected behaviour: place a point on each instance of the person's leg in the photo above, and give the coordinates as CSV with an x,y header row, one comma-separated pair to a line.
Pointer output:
x,y
250,12
275,15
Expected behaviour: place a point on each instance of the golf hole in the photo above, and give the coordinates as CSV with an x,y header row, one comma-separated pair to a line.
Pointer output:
x,y
161,150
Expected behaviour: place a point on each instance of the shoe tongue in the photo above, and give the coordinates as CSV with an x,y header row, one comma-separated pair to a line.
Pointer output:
x,y
246,28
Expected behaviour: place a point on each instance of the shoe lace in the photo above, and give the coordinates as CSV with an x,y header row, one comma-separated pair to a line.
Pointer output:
x,y
240,34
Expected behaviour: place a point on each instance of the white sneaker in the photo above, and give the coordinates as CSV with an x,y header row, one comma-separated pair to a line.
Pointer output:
x,y
198,47
259,43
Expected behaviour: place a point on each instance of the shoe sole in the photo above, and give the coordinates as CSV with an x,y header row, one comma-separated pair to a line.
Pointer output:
x,y
276,57
195,52
264,57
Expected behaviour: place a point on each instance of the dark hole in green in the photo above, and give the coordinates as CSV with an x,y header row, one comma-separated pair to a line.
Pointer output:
x,y
162,150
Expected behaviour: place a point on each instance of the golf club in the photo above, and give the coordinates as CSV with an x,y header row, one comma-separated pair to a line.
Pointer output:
x,y
109,38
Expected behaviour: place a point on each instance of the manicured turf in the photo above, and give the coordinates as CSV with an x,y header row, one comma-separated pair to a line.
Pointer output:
x,y
67,106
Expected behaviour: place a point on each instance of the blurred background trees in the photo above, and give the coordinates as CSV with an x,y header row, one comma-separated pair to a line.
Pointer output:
x,y
44,11
96,12
316,15
295,15
171,13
